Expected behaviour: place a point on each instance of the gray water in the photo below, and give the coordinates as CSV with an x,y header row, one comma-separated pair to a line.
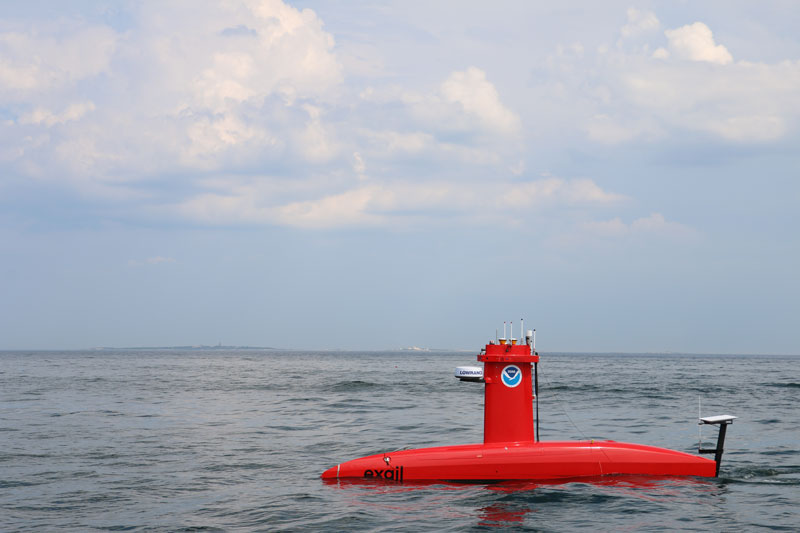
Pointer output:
x,y
236,440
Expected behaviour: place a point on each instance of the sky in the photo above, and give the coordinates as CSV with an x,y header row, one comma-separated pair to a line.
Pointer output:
x,y
625,176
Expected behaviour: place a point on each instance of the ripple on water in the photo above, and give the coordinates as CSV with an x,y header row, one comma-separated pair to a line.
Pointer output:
x,y
212,442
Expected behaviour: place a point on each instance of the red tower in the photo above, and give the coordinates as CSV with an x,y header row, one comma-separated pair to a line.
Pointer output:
x,y
508,407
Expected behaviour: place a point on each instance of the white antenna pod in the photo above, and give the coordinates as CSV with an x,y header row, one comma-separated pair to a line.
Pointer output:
x,y
469,373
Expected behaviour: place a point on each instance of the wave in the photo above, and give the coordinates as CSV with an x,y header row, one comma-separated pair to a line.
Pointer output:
x,y
354,386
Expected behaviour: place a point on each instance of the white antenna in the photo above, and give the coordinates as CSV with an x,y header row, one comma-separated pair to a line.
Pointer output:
x,y
699,425
504,329
534,340
521,329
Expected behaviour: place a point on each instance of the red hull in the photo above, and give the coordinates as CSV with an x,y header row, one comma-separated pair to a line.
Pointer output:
x,y
523,460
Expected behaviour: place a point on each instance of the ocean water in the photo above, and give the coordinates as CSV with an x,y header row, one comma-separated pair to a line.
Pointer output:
x,y
236,440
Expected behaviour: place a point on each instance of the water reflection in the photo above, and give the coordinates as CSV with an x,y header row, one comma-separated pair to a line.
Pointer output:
x,y
501,514
504,504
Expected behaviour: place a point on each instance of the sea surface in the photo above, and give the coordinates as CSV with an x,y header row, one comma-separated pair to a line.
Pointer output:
x,y
235,440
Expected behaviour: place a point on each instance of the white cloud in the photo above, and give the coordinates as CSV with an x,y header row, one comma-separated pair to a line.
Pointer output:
x,y
559,191
234,87
626,94
46,117
404,143
654,224
247,87
695,42
32,63
349,208
477,96
181,89
460,121
359,166
287,53
639,22
756,127
396,203
740,101
316,140
212,136
660,53
244,54
518,168
82,154
335,210
611,130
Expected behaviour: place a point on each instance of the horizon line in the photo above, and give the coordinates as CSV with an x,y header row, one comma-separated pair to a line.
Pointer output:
x,y
412,350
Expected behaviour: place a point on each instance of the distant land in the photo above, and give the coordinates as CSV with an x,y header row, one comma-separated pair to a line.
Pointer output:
x,y
418,349
217,347
193,347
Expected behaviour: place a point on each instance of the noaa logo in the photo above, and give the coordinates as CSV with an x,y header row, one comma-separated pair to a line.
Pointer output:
x,y
511,376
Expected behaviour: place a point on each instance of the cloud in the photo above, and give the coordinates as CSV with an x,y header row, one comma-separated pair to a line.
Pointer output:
x,y
611,233
399,143
477,96
32,63
654,224
630,94
316,140
738,102
47,118
695,43
639,22
459,121
180,90
359,166
559,191
464,104
245,207
236,89
394,203
613,129
243,113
